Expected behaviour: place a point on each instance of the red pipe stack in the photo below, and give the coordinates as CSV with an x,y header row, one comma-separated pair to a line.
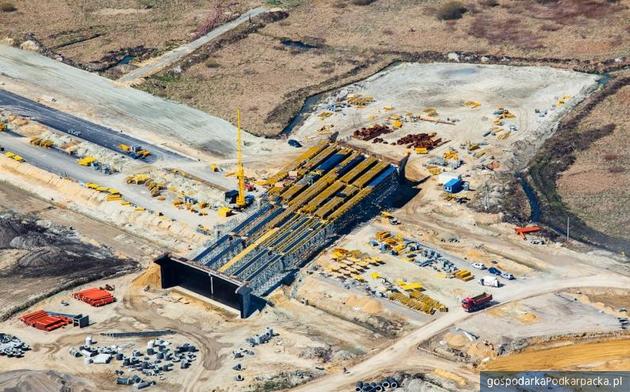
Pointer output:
x,y
95,297
43,321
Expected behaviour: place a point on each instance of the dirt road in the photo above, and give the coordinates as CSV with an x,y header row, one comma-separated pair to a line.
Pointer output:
x,y
391,356
155,65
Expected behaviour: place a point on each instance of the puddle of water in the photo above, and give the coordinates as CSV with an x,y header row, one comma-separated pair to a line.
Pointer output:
x,y
126,60
296,44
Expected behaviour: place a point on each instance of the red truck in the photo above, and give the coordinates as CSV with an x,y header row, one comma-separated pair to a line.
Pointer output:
x,y
471,304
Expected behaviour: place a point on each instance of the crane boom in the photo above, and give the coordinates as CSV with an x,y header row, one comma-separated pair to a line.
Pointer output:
x,y
240,170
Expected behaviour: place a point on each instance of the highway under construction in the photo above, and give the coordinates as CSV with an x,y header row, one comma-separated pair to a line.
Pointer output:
x,y
309,203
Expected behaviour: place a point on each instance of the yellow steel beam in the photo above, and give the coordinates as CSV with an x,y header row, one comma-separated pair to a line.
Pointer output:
x,y
350,203
370,174
319,199
360,168
248,249
296,163
328,207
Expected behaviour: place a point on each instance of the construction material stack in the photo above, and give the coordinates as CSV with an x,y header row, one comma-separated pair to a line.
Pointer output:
x,y
95,297
44,321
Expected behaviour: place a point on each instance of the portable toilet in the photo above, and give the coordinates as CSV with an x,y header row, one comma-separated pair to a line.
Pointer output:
x,y
453,185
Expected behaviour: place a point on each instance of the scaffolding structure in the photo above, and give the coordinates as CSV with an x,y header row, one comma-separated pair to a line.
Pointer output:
x,y
325,191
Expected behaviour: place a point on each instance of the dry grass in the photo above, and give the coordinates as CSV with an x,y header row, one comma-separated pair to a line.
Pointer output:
x,y
416,27
596,187
263,74
109,25
270,82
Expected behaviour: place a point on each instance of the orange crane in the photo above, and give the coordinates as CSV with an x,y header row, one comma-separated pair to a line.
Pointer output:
x,y
240,170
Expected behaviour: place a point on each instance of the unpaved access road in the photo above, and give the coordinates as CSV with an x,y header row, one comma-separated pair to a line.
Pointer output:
x,y
155,65
391,356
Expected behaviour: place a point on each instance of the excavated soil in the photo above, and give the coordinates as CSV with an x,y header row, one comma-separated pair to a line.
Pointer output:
x,y
40,258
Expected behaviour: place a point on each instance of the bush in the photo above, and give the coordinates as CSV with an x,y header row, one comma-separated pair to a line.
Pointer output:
x,y
451,10
489,3
7,6
148,4
212,63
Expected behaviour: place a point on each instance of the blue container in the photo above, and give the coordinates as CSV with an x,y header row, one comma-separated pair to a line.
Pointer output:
x,y
454,185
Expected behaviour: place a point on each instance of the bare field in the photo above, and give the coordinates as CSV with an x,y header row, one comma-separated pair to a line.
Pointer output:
x,y
86,31
596,186
607,355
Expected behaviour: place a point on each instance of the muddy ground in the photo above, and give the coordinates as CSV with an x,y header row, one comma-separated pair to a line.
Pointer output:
x,y
40,258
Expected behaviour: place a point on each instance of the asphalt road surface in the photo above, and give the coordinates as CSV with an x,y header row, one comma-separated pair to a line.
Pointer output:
x,y
72,125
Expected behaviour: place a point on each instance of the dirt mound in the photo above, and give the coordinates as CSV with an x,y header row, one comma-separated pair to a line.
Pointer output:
x,y
53,250
40,258
40,381
367,305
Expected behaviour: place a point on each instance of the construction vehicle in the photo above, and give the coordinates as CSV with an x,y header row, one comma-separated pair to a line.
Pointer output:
x,y
14,156
136,152
86,161
472,304
3,127
224,212
491,281
392,219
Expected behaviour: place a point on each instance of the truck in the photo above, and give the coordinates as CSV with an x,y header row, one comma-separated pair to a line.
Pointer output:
x,y
491,281
136,152
471,304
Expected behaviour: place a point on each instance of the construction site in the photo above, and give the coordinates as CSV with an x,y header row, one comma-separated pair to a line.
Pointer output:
x,y
383,217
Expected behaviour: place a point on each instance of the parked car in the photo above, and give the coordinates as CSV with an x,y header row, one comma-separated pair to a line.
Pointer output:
x,y
294,143
494,271
479,266
507,276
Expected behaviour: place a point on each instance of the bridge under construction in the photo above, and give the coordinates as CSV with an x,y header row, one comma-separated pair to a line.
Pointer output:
x,y
320,195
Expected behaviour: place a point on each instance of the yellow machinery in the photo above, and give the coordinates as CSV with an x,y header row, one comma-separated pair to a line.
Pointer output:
x,y
14,156
224,212
240,170
86,161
